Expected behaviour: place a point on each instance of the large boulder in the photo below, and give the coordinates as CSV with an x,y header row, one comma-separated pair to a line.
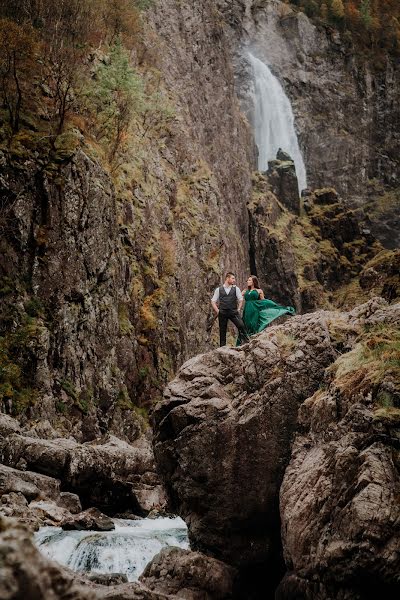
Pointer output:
x,y
223,441
190,575
223,433
89,520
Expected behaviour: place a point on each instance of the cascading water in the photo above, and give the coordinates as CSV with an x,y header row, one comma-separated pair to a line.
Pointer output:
x,y
127,549
274,121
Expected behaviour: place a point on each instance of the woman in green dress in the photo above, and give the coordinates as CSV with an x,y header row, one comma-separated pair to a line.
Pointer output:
x,y
258,311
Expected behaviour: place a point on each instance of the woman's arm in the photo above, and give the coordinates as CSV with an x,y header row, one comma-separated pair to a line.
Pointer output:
x,y
261,293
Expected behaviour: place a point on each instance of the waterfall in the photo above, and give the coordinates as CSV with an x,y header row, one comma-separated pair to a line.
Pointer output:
x,y
274,121
127,549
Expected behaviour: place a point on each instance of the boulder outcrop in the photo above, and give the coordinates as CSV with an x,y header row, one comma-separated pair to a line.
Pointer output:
x,y
224,435
190,575
107,473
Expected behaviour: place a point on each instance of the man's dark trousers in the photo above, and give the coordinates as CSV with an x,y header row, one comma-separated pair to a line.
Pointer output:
x,y
230,315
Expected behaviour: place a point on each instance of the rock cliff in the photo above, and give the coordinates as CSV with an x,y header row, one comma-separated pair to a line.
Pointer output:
x,y
106,276
307,411
346,108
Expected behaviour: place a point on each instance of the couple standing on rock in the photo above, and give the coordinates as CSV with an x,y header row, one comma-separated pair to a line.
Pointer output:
x,y
258,311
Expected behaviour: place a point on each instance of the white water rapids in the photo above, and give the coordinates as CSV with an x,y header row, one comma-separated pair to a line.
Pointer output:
x,y
274,121
126,550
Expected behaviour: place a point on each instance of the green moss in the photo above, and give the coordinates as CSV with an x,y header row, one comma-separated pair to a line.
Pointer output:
x,y
13,387
61,407
69,389
125,326
34,307
66,144
375,357
143,372
123,400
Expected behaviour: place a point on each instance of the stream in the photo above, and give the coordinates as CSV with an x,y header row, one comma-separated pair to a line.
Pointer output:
x,y
127,549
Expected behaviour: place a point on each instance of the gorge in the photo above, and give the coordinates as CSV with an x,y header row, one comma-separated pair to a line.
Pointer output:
x,y
170,167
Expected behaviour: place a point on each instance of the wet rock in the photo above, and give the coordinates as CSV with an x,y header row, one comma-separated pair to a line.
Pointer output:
x,y
50,511
89,520
108,578
282,177
190,575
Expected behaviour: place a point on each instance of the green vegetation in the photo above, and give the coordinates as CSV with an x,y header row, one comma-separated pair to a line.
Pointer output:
x,y
373,363
15,387
82,400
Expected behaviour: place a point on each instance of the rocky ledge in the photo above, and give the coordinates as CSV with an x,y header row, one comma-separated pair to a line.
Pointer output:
x,y
289,445
47,481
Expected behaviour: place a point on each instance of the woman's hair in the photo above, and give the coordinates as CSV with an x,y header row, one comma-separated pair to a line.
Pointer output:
x,y
255,281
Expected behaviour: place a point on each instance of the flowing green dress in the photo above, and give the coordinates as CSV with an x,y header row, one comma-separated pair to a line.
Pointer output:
x,y
257,314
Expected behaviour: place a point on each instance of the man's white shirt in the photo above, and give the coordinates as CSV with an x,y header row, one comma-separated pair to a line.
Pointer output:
x,y
227,289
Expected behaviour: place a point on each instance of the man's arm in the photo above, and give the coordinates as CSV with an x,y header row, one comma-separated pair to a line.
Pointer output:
x,y
239,298
214,301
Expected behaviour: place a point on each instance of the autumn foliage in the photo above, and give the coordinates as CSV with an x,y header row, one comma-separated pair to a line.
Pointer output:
x,y
372,23
70,57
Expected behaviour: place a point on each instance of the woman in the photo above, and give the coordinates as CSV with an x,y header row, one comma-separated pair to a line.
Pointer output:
x,y
258,311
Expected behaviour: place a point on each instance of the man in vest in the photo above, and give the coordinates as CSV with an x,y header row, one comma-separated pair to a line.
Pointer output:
x,y
226,302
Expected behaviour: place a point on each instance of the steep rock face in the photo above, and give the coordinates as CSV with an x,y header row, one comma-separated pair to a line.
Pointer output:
x,y
346,111
308,260
223,434
100,275
339,507
223,440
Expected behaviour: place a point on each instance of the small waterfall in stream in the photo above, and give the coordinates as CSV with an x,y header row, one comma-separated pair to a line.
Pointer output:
x,y
274,121
127,549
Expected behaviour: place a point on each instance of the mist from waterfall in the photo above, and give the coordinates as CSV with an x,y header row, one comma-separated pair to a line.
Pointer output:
x,y
274,121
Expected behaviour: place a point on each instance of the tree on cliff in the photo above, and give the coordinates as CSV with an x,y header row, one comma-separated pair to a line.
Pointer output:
x,y
18,48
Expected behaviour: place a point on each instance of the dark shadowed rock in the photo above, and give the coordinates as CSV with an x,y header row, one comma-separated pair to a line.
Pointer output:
x,y
108,578
190,575
282,177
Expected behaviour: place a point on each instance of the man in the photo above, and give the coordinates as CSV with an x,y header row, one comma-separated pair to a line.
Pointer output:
x,y
226,302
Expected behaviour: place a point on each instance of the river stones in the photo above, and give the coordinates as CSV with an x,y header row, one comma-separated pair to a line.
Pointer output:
x,y
91,519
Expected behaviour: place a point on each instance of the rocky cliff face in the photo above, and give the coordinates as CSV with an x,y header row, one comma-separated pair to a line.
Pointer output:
x,y
224,443
106,278
346,110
